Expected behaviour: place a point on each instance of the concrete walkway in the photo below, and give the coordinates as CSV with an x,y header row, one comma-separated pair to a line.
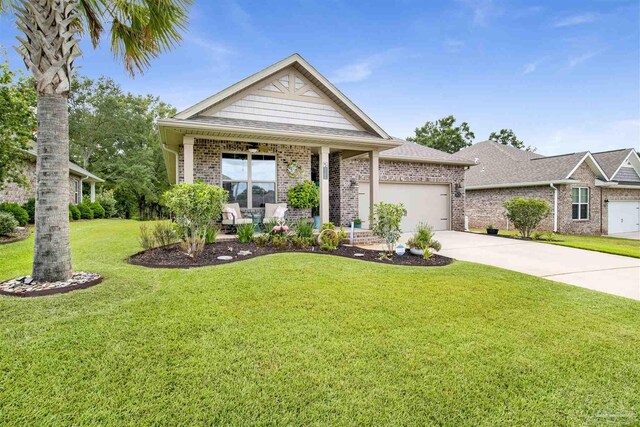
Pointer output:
x,y
613,274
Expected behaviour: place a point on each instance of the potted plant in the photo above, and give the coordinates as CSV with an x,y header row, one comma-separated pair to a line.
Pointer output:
x,y
305,195
422,241
492,230
357,223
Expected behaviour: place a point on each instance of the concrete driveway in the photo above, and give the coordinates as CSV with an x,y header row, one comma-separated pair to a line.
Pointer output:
x,y
633,235
613,274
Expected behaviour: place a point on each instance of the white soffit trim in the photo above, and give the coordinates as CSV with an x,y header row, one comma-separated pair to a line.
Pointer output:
x,y
278,66
635,163
593,162
522,184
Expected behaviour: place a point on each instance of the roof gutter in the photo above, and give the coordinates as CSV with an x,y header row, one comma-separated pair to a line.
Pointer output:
x,y
522,184
425,160
175,153
555,208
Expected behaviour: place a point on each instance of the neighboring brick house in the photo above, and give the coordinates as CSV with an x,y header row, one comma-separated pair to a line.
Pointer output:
x,y
589,193
288,123
13,193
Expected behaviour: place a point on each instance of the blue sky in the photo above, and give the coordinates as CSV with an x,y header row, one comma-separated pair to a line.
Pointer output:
x,y
565,75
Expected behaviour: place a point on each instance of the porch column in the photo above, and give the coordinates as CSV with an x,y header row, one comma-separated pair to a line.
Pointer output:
x,y
374,179
93,191
187,142
324,184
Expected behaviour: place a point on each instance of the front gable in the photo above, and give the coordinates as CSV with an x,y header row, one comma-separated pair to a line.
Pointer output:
x,y
629,169
284,97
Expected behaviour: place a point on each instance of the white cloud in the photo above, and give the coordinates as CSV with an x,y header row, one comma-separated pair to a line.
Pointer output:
x,y
576,60
530,68
482,10
360,70
594,137
570,21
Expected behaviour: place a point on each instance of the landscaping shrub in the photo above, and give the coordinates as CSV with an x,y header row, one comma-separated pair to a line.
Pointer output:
x,y
17,211
304,229
8,223
147,240
74,212
98,210
164,233
261,240
279,242
245,233
329,238
85,211
108,202
385,222
304,195
526,214
30,207
195,207
302,242
212,234
423,239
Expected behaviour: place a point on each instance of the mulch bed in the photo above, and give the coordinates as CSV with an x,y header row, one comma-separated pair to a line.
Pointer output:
x,y
20,234
173,256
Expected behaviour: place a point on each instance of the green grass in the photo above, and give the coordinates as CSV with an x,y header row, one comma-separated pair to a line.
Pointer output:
x,y
303,339
609,245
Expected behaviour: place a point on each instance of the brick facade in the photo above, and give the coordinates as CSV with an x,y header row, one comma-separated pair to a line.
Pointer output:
x,y
14,193
484,207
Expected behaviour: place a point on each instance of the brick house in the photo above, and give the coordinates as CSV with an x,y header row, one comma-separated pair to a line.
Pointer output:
x,y
288,123
13,193
590,193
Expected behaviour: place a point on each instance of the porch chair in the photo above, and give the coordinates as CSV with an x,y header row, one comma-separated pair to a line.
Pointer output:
x,y
274,211
232,216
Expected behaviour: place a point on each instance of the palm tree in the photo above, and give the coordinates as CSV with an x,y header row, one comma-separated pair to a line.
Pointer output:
x,y
140,30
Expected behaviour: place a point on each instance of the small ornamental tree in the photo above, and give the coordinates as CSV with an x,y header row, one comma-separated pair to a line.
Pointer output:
x,y
385,222
304,195
526,214
195,208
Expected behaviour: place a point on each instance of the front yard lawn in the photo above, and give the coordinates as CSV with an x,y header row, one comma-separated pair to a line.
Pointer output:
x,y
609,245
302,339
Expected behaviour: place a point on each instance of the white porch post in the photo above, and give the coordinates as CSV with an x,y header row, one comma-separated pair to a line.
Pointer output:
x,y
374,179
324,184
187,142
93,191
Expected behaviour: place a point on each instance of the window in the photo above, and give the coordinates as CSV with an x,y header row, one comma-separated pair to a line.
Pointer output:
x,y
580,203
257,172
77,189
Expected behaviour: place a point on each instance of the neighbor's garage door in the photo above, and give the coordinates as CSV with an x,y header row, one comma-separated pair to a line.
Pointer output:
x,y
428,203
624,216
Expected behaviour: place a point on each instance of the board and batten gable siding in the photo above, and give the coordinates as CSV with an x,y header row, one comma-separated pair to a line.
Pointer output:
x,y
287,98
627,174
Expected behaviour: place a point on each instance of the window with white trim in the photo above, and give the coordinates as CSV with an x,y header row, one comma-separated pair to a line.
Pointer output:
x,y
76,196
580,203
250,178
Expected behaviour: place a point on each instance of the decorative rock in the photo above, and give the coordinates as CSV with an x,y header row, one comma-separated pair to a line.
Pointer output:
x,y
225,258
358,255
244,253
25,284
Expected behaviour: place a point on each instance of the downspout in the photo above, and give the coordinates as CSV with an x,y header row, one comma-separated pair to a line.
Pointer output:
x,y
555,208
175,153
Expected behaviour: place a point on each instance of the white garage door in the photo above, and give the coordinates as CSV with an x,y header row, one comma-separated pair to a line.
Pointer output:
x,y
624,216
429,203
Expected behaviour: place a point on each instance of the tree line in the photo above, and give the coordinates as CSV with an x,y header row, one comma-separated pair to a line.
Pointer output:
x,y
444,135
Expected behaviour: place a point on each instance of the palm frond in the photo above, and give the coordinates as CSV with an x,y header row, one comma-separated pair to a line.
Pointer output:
x,y
93,14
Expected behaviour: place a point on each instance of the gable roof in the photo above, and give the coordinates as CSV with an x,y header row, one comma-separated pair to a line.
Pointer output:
x,y
305,69
612,161
413,152
73,169
505,166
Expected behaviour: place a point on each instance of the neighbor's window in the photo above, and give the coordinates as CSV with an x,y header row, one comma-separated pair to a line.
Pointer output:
x,y
241,172
76,196
580,203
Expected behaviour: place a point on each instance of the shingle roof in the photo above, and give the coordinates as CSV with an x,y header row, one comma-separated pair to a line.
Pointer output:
x,y
257,124
500,165
610,161
411,150
74,169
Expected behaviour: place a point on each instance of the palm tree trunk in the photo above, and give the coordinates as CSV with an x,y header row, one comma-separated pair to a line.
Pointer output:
x,y
52,254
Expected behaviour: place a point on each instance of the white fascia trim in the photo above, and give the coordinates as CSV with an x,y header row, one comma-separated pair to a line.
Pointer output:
x,y
381,143
588,156
410,159
625,161
613,184
254,78
522,184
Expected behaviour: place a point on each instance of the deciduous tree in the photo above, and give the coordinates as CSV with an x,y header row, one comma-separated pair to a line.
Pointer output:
x,y
444,135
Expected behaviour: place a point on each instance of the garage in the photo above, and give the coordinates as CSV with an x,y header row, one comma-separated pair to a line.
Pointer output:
x,y
428,203
624,216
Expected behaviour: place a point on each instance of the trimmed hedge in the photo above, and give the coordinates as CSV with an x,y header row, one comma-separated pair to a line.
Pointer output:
x,y
74,212
30,207
8,223
98,210
17,211
85,211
